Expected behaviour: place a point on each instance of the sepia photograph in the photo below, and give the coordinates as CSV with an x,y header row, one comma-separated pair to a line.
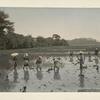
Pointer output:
x,y
49,49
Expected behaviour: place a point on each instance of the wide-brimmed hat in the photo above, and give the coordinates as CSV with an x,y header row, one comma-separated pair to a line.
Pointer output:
x,y
14,54
81,52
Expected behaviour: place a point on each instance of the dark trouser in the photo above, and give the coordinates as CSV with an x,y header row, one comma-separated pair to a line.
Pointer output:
x,y
81,69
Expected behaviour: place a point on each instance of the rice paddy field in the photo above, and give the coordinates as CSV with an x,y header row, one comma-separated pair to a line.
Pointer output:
x,y
68,79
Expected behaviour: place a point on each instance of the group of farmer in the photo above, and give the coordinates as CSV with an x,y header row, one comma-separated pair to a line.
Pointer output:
x,y
55,68
39,61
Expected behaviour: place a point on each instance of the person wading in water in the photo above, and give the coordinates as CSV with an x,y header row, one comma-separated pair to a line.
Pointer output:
x,y
81,62
26,60
55,64
96,59
15,62
38,63
71,56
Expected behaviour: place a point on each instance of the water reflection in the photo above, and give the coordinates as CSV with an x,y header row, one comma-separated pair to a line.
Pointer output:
x,y
39,75
26,74
81,80
57,75
15,75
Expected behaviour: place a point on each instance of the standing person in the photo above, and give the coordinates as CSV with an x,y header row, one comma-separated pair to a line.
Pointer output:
x,y
71,56
38,63
55,64
26,64
96,52
81,62
26,60
15,62
15,65
14,58
89,55
26,56
96,59
14,55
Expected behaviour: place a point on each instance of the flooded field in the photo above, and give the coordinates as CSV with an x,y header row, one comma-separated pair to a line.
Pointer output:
x,y
68,79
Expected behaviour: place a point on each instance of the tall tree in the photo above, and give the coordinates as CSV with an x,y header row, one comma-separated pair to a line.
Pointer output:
x,y
5,27
56,37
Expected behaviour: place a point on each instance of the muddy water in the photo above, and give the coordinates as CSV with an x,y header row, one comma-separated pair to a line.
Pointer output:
x,y
66,80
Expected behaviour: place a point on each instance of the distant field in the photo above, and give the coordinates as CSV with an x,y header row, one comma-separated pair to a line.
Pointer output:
x,y
55,49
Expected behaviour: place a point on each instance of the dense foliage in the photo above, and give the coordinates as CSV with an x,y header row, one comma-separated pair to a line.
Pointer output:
x,y
11,40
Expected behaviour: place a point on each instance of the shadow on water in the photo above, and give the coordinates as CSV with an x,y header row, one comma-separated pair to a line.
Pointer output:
x,y
57,75
26,75
15,75
81,81
39,75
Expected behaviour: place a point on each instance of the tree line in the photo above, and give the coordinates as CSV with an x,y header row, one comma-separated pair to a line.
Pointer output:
x,y
11,40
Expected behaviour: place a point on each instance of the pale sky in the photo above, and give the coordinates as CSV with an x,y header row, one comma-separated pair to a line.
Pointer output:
x,y
69,23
